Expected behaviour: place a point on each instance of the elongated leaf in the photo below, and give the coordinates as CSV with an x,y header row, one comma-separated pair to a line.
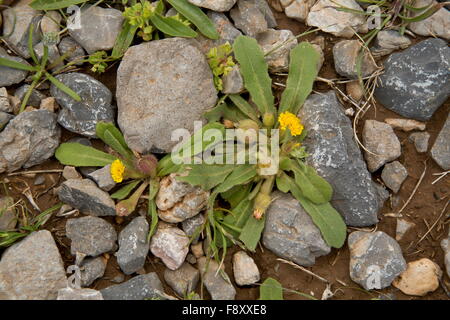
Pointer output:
x,y
153,213
225,111
172,27
241,213
78,155
16,65
244,106
112,136
313,187
283,182
325,217
255,72
207,176
61,86
123,192
54,4
424,15
240,175
195,15
270,289
124,40
236,195
303,69
251,232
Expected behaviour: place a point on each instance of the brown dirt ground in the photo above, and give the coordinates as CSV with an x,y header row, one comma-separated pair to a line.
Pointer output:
x,y
424,210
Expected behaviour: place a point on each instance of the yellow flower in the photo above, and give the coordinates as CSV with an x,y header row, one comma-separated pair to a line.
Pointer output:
x,y
117,170
290,121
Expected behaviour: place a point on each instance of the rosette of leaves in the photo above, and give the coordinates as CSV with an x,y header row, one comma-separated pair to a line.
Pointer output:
x,y
221,63
241,193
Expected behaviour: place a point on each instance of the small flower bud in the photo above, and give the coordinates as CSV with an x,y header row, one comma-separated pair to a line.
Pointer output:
x,y
147,165
262,202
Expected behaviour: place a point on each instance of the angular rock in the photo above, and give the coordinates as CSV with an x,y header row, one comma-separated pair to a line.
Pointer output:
x,y
70,172
388,41
79,294
32,269
50,22
170,244
71,49
393,175
297,9
4,119
172,94
436,25
133,246
5,106
184,280
420,277
8,218
345,54
217,286
445,245
420,140
375,259
28,139
327,18
265,9
245,269
99,28
215,5
49,104
416,81
440,152
233,83
53,54
197,250
190,225
249,18
95,105
35,97
405,124
10,76
147,286
272,39
290,232
337,158
402,227
178,201
92,269
379,138
87,197
103,178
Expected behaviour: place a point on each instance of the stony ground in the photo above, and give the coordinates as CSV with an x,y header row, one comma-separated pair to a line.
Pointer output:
x,y
395,203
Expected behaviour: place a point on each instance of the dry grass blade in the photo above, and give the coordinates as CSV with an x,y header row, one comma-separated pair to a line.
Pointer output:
x,y
415,188
296,266
435,223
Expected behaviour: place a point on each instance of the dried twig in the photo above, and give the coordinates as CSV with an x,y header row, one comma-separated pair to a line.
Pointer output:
x,y
34,172
304,270
415,188
434,224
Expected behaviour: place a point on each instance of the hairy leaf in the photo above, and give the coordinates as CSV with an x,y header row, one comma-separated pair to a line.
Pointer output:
x,y
244,107
313,186
251,232
124,39
270,289
16,65
112,136
123,192
172,27
78,155
54,4
207,176
241,174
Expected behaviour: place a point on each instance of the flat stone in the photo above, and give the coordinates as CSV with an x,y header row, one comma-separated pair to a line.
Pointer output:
x,y
388,41
337,158
402,228
265,9
380,139
71,49
4,119
436,25
99,30
345,54
184,280
133,246
85,196
245,269
233,83
147,286
90,235
420,277
35,97
79,294
217,286
290,232
190,226
95,105
170,244
8,218
420,140
10,76
248,18
445,245
416,81
297,9
375,259
28,139
102,178
405,125
440,152
92,269
32,269
178,201
393,175
50,22
271,40
172,94
70,172
215,5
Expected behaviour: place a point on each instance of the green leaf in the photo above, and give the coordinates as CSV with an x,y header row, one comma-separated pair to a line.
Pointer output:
x,y
207,176
54,4
283,182
303,69
255,72
244,107
235,195
270,289
251,232
241,174
195,15
124,40
241,213
112,136
325,217
78,155
225,111
123,192
16,65
61,86
152,211
172,27
313,186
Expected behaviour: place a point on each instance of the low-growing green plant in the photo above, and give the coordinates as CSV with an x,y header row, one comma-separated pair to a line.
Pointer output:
x,y
221,63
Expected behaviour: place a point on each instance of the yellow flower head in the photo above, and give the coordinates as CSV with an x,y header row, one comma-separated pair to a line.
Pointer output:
x,y
290,121
117,170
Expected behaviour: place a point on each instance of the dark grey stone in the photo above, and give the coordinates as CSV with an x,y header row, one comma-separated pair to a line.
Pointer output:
x,y
92,269
147,286
183,280
190,225
72,48
35,97
216,281
10,76
4,119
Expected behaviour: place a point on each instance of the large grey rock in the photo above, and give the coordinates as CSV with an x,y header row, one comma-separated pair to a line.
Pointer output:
x,y
99,28
103,178
245,269
79,294
218,287
178,201
32,269
91,236
248,17
71,49
95,105
170,244
346,54
290,232
184,280
337,158
147,286
10,76
16,27
440,151
8,218
4,119
393,175
172,94
416,81
436,25
215,5
133,246
279,43
91,269
87,197
35,97
375,259
28,139
388,41
379,138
